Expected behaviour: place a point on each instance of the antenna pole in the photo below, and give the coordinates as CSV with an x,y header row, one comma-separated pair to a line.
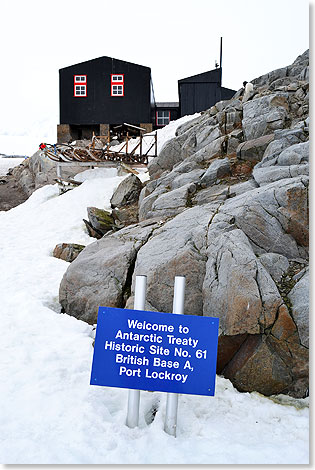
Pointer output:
x,y
221,61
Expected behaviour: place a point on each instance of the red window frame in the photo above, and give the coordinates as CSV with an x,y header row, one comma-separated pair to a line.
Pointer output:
x,y
117,82
156,117
81,82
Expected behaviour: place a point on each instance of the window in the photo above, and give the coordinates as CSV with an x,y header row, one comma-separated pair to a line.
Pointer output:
x,y
80,83
117,85
163,118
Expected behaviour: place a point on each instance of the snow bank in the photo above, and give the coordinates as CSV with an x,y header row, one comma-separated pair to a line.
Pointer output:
x,y
51,415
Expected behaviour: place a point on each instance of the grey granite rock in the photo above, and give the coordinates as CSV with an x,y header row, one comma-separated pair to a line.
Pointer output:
x,y
299,297
177,248
128,192
237,288
263,115
217,169
276,265
99,276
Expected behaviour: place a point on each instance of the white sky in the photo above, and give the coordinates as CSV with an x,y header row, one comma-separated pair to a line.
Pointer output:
x,y
176,38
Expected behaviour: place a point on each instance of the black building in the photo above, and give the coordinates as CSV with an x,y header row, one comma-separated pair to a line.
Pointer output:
x,y
200,92
102,92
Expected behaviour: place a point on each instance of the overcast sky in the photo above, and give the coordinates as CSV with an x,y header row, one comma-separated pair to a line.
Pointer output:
x,y
176,38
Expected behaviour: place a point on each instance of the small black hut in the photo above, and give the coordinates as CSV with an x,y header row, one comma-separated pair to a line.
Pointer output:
x,y
200,92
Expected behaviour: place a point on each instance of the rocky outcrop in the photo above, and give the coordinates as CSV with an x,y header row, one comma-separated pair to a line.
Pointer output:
x,y
229,201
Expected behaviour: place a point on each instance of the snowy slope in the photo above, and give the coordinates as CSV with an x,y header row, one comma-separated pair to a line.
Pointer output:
x,y
51,415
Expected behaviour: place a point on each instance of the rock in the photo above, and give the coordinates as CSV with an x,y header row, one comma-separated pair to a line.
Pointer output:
x,y
127,192
284,328
187,178
263,115
237,288
90,230
172,152
270,174
274,217
213,150
68,251
101,275
177,248
100,220
282,140
294,155
276,265
173,202
253,150
146,205
258,367
126,215
214,193
217,169
299,297
240,188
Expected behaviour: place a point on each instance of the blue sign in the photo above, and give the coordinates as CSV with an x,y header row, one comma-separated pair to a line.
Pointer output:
x,y
155,351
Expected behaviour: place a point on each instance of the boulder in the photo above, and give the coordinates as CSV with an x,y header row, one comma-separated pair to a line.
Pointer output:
x,y
127,192
67,251
101,275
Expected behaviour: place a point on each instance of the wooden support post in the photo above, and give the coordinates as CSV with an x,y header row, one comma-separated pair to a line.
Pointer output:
x,y
141,144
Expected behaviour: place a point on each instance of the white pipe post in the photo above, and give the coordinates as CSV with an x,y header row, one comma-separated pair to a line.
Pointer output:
x,y
134,395
58,170
172,398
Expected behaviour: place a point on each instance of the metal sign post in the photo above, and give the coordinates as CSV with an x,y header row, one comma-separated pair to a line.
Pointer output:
x,y
172,398
134,395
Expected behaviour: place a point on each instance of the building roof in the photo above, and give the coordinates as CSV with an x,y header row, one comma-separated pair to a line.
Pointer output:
x,y
212,76
104,58
167,104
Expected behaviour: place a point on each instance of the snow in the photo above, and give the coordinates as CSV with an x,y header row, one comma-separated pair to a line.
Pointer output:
x,y
51,415
6,163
